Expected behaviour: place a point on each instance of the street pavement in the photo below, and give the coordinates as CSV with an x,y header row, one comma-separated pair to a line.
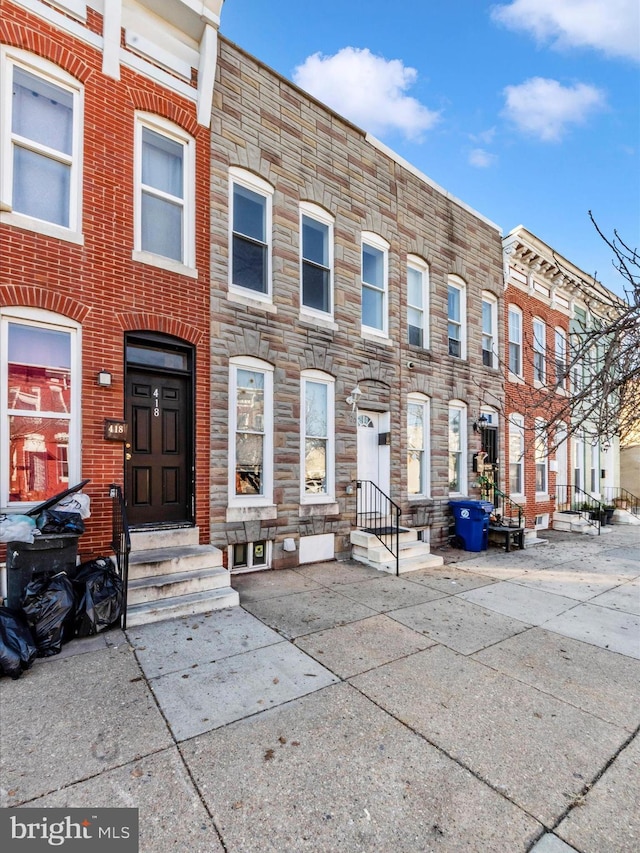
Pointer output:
x,y
490,704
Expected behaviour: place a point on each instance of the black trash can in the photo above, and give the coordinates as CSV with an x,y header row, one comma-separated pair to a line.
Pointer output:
x,y
472,523
48,554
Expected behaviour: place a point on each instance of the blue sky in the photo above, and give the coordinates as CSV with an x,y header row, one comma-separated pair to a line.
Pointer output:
x,y
527,110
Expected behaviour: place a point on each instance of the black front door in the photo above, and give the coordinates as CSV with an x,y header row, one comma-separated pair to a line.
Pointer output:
x,y
158,467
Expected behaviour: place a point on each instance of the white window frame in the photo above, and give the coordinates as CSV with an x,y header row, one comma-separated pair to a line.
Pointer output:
x,y
491,300
456,283
560,351
539,346
171,131
516,435
243,178
320,215
320,378
421,267
460,408
258,366
375,241
541,456
424,404
515,340
42,319
11,58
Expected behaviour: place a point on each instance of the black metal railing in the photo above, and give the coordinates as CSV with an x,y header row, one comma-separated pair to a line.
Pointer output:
x,y
619,498
376,513
576,500
506,510
121,544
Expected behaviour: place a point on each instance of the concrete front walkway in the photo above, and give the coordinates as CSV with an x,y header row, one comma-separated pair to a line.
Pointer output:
x,y
491,704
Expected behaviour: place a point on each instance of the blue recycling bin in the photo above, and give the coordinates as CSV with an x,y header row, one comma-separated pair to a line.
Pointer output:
x,y
472,523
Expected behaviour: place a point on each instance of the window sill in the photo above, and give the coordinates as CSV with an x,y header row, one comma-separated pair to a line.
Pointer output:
x,y
318,509
309,319
251,513
541,497
47,229
513,377
419,499
163,263
380,338
249,302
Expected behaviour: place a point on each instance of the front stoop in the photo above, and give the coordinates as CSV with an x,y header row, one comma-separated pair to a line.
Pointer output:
x,y
175,577
414,554
576,522
531,538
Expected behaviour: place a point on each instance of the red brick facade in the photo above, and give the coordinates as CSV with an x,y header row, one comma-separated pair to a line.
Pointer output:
x,y
531,399
98,284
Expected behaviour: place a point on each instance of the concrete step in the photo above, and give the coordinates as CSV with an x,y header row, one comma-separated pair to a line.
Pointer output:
x,y
406,564
172,537
182,605
366,540
166,561
152,589
379,554
531,538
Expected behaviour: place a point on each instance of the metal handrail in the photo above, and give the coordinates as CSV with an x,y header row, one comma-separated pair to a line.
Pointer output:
x,y
500,500
575,499
623,498
376,513
121,544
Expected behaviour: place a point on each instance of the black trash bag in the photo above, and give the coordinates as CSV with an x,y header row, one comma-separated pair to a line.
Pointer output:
x,y
49,606
99,596
55,521
17,646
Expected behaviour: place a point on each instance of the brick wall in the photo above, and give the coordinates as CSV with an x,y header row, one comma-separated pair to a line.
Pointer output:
x,y
97,283
534,402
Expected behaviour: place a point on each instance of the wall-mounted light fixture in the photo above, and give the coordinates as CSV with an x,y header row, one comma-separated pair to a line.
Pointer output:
x,y
481,423
104,379
353,398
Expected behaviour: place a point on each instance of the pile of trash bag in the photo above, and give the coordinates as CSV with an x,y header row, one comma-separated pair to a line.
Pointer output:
x,y
55,609
17,646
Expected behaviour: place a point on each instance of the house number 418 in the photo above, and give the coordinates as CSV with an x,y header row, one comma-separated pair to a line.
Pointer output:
x,y
156,409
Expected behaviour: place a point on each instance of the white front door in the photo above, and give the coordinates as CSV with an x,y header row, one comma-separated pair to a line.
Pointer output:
x,y
374,458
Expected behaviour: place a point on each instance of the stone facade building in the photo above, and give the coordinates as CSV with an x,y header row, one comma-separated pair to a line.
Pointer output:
x,y
336,266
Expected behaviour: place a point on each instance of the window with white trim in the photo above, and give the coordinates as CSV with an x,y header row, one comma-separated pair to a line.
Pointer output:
x,y
250,237
40,405
541,454
515,340
516,454
457,316
489,329
316,259
317,442
165,176
250,432
417,301
375,273
41,142
457,447
560,344
418,446
539,350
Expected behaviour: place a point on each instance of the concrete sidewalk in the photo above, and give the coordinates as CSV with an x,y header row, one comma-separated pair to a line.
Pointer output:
x,y
491,704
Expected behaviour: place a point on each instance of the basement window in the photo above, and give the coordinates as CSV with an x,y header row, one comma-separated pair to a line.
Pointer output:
x,y
250,556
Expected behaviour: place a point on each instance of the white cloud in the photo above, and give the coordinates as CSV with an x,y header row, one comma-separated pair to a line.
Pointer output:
x,y
481,159
544,108
366,89
610,26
